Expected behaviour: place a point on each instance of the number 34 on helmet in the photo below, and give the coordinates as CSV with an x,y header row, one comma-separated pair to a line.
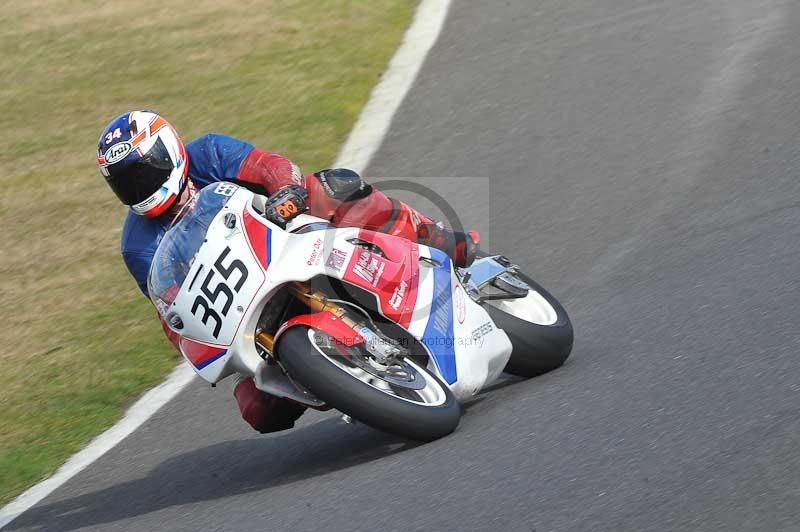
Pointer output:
x,y
144,161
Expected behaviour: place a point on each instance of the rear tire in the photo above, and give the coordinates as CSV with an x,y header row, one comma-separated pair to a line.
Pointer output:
x,y
305,362
537,348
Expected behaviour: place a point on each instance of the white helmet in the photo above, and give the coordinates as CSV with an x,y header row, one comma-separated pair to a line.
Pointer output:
x,y
144,161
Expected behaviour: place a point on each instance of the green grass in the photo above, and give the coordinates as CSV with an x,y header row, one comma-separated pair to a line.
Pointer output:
x,y
79,341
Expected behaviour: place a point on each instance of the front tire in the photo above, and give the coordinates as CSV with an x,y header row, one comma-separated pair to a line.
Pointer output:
x,y
432,414
542,338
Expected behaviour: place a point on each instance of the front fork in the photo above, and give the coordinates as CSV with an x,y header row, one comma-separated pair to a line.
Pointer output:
x,y
378,345
317,302
276,381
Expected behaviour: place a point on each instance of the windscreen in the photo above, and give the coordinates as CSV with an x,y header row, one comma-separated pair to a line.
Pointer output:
x,y
180,244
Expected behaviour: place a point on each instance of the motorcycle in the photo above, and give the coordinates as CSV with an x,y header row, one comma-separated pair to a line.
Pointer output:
x,y
387,331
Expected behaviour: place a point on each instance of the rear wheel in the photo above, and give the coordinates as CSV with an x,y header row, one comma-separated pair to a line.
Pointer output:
x,y
538,326
401,397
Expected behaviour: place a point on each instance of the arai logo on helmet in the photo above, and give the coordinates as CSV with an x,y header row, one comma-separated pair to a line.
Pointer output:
x,y
117,152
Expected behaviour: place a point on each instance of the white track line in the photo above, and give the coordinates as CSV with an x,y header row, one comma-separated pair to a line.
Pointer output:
x,y
134,417
388,94
361,144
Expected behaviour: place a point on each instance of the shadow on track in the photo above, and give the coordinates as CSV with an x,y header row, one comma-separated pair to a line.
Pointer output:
x,y
221,470
227,469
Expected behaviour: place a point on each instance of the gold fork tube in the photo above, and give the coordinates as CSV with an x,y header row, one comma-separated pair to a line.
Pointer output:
x,y
316,301
266,340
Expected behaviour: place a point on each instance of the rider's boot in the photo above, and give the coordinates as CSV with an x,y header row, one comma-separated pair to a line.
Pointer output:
x,y
343,197
264,412
462,247
413,225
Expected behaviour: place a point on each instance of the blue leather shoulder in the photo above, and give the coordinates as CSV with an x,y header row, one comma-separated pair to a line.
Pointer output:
x,y
216,157
212,158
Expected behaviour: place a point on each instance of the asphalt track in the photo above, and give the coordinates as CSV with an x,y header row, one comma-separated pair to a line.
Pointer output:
x,y
643,160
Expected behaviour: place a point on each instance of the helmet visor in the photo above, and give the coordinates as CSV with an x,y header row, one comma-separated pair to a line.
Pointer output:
x,y
136,182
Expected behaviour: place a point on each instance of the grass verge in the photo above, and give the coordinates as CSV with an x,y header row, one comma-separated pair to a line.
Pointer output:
x,y
79,341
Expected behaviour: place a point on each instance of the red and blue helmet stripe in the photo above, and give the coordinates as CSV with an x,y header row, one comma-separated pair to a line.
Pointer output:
x,y
149,140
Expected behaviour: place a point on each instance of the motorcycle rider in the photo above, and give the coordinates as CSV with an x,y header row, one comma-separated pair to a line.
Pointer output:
x,y
144,161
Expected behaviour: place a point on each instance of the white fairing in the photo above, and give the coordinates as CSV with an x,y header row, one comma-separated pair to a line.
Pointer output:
x,y
470,354
481,349
204,279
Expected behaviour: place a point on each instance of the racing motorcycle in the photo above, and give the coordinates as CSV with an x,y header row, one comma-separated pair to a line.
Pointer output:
x,y
387,331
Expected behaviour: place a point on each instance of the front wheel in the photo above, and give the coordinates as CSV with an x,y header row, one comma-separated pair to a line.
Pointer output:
x,y
539,329
402,398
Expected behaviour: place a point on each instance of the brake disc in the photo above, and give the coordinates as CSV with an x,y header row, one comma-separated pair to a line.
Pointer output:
x,y
396,372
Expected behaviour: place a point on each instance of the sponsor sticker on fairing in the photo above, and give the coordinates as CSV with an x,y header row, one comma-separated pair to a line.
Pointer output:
x,y
460,304
398,295
336,259
316,253
482,331
441,315
369,267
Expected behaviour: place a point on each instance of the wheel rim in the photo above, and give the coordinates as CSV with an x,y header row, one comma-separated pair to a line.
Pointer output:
x,y
532,308
405,380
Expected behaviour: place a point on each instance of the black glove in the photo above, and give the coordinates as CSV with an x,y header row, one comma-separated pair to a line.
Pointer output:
x,y
285,204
